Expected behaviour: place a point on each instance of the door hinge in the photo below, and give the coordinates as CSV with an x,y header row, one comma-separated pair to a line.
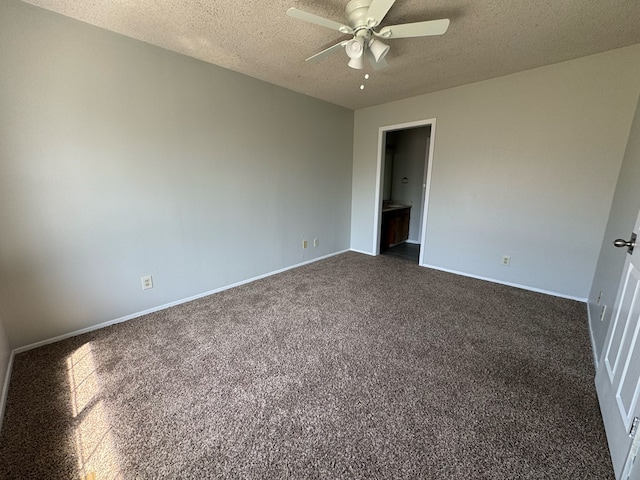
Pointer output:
x,y
634,427
630,463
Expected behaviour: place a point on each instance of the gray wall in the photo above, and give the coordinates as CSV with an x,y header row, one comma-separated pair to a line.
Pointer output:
x,y
624,211
524,165
119,159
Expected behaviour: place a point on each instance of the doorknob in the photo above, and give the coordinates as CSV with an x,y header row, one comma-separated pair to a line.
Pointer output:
x,y
626,243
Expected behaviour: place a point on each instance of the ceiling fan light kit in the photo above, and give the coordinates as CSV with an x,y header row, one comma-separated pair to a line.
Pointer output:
x,y
354,48
378,49
363,16
357,63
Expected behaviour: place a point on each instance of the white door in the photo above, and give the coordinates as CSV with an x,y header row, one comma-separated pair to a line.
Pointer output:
x,y
618,375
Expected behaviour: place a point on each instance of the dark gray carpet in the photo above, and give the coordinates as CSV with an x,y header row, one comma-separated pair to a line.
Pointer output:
x,y
351,367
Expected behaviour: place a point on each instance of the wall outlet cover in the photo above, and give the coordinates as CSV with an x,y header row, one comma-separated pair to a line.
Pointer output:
x,y
147,282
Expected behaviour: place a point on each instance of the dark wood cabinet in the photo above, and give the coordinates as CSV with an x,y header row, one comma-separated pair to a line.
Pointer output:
x,y
395,226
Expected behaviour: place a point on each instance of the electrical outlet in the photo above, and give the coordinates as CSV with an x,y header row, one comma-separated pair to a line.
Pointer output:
x,y
147,282
506,260
316,242
604,309
304,244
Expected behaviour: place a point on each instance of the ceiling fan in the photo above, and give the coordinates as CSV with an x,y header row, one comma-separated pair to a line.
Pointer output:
x,y
363,16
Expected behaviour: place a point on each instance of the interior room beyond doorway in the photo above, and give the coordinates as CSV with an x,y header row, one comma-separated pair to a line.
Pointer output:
x,y
403,191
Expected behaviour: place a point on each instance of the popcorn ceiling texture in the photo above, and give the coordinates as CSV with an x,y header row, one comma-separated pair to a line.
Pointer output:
x,y
351,367
486,39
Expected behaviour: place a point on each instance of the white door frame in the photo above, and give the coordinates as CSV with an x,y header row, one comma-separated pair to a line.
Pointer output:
x,y
377,211
426,181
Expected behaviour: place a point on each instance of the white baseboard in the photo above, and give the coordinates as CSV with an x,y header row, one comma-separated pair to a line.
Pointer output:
x,y
413,242
593,340
509,284
41,343
362,252
5,388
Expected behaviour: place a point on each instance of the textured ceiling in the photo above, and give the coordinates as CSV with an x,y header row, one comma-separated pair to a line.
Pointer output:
x,y
486,39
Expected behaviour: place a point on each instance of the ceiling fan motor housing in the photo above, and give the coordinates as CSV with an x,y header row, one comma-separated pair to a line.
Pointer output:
x,y
357,16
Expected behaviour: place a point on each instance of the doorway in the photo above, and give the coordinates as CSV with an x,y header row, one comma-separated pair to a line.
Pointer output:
x,y
405,157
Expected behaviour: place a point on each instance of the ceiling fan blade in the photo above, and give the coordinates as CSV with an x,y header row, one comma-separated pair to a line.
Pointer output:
x,y
418,29
379,65
377,11
326,52
315,19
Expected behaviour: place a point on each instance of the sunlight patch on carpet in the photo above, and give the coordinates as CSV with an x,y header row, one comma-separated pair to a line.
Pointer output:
x,y
95,448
